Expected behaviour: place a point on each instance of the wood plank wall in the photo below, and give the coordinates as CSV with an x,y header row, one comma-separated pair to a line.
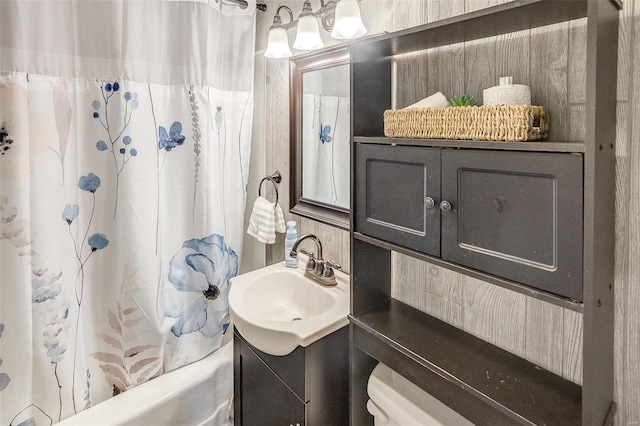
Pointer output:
x,y
552,61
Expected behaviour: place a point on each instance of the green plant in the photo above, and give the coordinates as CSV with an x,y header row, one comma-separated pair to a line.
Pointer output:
x,y
464,100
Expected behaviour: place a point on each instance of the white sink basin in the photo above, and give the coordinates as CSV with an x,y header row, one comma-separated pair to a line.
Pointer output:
x,y
277,309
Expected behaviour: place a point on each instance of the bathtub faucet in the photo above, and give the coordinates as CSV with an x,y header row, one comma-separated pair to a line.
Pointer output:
x,y
317,269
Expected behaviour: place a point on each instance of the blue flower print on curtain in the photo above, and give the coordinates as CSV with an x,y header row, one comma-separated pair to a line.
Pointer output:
x,y
201,270
4,377
171,140
96,241
54,305
325,131
49,300
70,212
118,144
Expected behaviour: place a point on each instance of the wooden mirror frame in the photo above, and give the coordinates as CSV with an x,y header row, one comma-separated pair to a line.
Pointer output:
x,y
316,210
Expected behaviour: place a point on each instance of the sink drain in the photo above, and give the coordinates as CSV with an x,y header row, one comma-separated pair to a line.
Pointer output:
x,y
296,319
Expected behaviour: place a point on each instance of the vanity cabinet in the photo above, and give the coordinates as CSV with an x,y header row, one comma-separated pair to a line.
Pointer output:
x,y
534,217
515,215
265,397
308,387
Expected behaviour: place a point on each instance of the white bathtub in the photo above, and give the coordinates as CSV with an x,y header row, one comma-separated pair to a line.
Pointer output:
x,y
194,395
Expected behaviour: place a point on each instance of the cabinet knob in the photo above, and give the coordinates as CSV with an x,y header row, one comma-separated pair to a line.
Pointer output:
x,y
429,203
445,206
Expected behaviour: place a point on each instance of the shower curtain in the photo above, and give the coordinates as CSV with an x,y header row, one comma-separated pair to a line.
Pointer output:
x,y
124,154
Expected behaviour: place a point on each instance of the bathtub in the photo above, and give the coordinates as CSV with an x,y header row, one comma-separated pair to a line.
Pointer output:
x,y
194,395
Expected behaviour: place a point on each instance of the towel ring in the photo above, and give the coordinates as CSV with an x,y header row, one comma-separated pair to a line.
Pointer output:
x,y
275,178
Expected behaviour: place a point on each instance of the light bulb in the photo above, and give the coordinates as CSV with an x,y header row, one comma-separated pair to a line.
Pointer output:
x,y
278,44
348,22
308,34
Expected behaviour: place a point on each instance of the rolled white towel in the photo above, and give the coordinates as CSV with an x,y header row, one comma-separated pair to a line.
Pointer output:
x,y
266,219
434,101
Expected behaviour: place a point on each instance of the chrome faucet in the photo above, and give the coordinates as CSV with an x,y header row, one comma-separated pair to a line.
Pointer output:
x,y
317,269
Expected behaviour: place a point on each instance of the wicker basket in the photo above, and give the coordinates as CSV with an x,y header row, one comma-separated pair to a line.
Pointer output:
x,y
490,123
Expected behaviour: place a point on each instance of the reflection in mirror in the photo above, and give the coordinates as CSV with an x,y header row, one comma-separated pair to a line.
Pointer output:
x,y
325,136
321,136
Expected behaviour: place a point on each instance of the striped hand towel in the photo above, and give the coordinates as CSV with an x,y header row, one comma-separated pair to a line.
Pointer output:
x,y
266,218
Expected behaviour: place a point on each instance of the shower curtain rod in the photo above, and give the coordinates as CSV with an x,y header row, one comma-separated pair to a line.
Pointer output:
x,y
242,3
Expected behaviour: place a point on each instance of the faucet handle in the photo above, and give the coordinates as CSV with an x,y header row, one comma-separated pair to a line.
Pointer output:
x,y
311,263
333,265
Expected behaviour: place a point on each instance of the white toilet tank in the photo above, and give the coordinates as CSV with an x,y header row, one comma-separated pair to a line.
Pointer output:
x,y
395,401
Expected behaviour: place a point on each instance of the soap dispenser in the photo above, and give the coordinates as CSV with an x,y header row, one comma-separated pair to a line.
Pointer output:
x,y
289,241
507,93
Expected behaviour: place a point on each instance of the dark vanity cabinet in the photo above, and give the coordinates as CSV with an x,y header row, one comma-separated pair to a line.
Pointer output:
x,y
264,397
516,215
308,387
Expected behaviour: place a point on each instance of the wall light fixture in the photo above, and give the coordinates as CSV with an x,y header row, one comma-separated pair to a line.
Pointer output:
x,y
341,18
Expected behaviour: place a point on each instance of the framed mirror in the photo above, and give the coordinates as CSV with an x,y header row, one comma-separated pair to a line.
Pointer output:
x,y
321,135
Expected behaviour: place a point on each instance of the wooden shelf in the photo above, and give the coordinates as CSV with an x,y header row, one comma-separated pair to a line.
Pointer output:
x,y
466,373
546,146
503,382
511,285
502,19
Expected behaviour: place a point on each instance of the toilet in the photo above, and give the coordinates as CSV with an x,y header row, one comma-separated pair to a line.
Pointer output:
x,y
395,401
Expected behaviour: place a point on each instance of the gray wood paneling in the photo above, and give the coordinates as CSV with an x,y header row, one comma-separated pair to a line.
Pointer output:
x,y
479,67
627,337
577,69
411,78
442,9
442,75
627,47
408,13
623,168
508,62
576,122
374,16
544,346
572,346
277,142
555,72
413,66
428,288
626,289
548,75
479,57
495,314
445,64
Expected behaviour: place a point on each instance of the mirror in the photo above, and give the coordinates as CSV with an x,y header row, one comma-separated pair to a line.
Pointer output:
x,y
321,136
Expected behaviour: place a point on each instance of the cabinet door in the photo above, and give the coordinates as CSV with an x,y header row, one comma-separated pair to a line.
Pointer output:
x,y
516,215
397,191
265,399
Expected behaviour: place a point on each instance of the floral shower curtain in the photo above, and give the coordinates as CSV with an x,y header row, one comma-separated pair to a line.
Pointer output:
x,y
124,154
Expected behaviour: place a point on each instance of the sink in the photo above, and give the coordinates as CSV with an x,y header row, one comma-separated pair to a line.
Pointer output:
x,y
276,309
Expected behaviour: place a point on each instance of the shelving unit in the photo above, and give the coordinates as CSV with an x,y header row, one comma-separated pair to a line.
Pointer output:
x,y
484,383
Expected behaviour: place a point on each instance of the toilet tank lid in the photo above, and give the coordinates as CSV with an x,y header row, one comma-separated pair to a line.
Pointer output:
x,y
406,403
